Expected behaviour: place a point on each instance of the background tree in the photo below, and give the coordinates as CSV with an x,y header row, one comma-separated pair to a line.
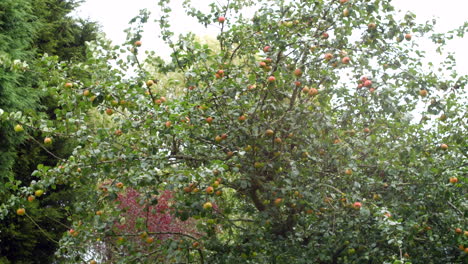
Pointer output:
x,y
30,29
307,155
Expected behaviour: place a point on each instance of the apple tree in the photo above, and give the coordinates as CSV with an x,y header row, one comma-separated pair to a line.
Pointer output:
x,y
314,133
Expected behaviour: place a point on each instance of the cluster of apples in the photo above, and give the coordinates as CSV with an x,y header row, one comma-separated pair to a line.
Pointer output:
x,y
209,190
365,82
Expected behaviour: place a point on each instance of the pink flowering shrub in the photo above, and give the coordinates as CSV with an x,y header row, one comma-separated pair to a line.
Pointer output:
x,y
158,219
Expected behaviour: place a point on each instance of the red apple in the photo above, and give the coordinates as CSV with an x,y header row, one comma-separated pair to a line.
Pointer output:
x,y
357,205
298,72
221,19
47,141
68,85
21,211
453,179
345,60
137,43
266,48
328,56
408,36
325,35
209,190
271,79
313,92
209,120
367,83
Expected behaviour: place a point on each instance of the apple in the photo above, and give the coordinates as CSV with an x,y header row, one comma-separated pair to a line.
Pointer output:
x,y
99,212
93,262
209,190
458,231
278,201
68,85
262,64
209,120
109,111
346,12
168,124
297,83
149,240
219,193
47,141
218,139
266,48
157,101
366,130
360,86
38,193
305,89
367,83
328,56
271,79
259,165
220,72
207,205
325,35
119,185
372,89
195,244
298,72
343,1
149,83
73,232
163,99
216,183
241,118
278,140
224,136
19,128
357,205
313,92
443,117
21,211
423,93
408,37
269,132
78,170
348,172
118,132
444,146
31,198
86,93
268,60
221,19
345,60
453,180
137,43
465,233
371,26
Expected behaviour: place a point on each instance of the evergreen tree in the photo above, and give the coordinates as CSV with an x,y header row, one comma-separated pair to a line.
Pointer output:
x,y
28,30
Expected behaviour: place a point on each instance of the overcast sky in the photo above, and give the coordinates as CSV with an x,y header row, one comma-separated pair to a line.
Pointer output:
x,y
113,15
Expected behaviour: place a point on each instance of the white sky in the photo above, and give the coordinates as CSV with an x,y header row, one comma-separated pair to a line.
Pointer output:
x,y
114,15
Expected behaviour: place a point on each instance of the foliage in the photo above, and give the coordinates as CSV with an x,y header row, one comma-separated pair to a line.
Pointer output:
x,y
29,29
296,142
